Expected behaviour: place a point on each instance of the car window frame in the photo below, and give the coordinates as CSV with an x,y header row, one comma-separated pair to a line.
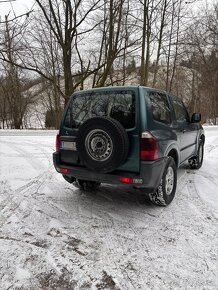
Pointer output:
x,y
69,107
187,119
167,103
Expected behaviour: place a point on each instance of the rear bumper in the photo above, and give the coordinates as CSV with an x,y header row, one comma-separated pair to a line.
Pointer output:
x,y
150,173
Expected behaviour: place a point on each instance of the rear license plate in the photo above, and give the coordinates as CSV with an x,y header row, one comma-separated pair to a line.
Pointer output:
x,y
68,145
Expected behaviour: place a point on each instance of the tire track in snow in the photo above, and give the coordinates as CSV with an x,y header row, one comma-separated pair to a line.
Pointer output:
x,y
112,244
106,227
111,227
211,147
28,156
205,217
129,275
115,242
194,197
15,198
11,204
212,179
204,207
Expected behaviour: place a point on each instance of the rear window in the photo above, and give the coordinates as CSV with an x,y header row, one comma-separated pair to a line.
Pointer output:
x,y
119,105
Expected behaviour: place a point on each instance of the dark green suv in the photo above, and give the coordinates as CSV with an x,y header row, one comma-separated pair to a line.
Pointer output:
x,y
134,136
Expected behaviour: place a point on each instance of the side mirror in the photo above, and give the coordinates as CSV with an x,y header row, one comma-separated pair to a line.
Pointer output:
x,y
196,117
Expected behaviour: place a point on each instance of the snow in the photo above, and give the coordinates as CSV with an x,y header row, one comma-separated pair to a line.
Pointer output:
x,y
22,274
55,236
207,178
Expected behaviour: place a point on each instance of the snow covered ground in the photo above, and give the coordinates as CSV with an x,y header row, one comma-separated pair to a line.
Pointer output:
x,y
54,236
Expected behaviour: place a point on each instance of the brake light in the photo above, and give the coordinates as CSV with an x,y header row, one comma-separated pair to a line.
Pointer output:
x,y
131,180
126,179
57,143
64,170
149,146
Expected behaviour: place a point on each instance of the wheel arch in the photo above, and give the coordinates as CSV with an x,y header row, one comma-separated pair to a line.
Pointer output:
x,y
174,154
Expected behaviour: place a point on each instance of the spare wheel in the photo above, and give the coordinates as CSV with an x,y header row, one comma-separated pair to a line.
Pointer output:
x,y
102,144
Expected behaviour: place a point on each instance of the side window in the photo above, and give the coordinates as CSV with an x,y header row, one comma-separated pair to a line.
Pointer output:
x,y
160,107
180,111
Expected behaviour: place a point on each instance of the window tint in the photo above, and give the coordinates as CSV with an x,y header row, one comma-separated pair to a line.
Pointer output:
x,y
159,107
119,105
180,111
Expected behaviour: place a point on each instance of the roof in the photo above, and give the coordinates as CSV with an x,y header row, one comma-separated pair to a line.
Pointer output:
x,y
117,88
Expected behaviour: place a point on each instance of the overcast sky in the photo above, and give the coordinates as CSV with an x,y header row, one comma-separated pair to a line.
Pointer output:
x,y
22,6
18,7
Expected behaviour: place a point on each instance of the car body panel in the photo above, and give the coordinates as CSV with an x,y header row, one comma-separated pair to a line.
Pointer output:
x,y
150,173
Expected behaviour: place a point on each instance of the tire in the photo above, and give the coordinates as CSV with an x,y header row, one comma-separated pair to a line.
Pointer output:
x,y
88,185
69,179
102,144
167,187
196,162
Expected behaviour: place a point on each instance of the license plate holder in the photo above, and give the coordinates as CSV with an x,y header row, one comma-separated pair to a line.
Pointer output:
x,y
68,145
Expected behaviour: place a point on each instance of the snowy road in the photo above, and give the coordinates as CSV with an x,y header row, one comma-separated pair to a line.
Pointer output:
x,y
53,236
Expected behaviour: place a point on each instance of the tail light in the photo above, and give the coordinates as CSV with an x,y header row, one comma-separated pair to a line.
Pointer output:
x,y
64,170
126,180
131,180
149,146
57,143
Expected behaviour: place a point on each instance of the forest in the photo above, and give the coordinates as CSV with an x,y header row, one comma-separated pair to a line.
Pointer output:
x,y
61,46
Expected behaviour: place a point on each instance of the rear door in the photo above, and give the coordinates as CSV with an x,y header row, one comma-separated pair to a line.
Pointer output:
x,y
116,103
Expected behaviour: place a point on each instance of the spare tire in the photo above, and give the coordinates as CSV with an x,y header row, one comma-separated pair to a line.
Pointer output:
x,y
102,144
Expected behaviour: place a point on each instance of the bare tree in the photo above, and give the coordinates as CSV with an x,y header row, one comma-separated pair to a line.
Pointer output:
x,y
64,19
13,82
160,37
200,45
116,41
146,33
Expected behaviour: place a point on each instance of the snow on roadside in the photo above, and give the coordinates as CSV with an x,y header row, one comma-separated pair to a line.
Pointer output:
x,y
54,236
207,178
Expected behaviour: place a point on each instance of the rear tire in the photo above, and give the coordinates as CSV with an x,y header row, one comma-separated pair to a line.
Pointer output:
x,y
69,179
167,187
196,162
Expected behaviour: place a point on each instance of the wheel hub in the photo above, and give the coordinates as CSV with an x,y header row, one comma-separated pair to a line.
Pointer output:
x,y
99,145
169,182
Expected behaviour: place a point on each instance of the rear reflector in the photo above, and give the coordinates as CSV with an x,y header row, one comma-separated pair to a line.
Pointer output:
x,y
126,179
149,146
131,180
57,143
64,170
